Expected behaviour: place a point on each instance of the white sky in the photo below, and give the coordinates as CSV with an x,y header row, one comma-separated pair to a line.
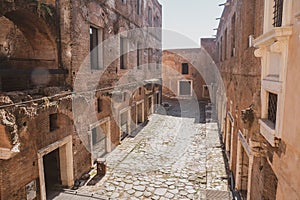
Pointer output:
x,y
193,19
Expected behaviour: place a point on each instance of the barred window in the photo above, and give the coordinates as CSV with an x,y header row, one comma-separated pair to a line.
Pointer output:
x,y
272,107
278,10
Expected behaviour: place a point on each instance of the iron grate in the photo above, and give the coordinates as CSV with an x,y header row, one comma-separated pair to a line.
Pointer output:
x,y
277,14
272,107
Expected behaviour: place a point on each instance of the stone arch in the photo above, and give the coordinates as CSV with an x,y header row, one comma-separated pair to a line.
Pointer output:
x,y
27,43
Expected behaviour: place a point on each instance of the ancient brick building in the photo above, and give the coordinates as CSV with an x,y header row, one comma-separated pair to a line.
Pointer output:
x,y
240,111
181,79
75,78
257,116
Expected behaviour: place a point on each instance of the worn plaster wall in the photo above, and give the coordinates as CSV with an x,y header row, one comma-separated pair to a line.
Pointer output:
x,y
285,160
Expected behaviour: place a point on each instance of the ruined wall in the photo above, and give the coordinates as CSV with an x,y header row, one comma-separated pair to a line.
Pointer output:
x,y
33,128
241,72
172,73
113,19
28,44
56,36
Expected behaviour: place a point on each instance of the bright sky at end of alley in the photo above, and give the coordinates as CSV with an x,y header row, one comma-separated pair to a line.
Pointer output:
x,y
192,19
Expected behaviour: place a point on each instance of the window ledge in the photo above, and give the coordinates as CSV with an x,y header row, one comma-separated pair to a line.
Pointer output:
x,y
272,84
270,37
267,129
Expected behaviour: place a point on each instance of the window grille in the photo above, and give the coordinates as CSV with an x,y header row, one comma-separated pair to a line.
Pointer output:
x,y
272,107
277,14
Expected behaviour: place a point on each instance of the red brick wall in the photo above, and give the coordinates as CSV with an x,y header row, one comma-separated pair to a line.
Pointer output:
x,y
241,72
172,64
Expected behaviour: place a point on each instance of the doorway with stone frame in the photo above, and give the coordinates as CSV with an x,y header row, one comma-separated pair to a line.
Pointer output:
x,y
140,113
100,138
124,123
150,107
242,171
60,156
228,136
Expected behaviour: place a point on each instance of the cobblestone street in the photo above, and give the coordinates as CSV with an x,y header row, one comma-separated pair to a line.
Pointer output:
x,y
170,158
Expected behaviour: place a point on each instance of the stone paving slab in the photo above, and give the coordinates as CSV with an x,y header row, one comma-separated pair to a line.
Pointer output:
x,y
171,158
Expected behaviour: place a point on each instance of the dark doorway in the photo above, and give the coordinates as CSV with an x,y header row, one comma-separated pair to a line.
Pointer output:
x,y
124,125
52,171
157,99
140,113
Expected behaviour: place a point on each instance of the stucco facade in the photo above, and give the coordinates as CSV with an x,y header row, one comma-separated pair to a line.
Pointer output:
x,y
278,49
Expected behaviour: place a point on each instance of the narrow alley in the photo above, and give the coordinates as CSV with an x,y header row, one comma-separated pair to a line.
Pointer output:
x,y
170,158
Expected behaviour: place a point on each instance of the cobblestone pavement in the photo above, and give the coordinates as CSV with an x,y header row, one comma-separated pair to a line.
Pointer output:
x,y
171,158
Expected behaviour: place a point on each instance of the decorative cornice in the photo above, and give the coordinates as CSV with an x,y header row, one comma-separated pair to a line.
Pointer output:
x,y
276,34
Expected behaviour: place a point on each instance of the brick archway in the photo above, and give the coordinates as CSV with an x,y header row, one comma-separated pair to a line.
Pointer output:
x,y
28,50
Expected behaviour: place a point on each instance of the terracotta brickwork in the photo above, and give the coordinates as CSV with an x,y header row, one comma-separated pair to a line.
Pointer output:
x,y
174,62
241,73
255,59
45,55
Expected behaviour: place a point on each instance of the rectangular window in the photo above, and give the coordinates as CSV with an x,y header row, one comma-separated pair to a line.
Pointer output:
x,y
149,58
123,53
93,48
233,35
221,49
150,16
96,50
277,15
225,45
99,105
185,88
185,68
139,56
272,107
53,122
139,7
